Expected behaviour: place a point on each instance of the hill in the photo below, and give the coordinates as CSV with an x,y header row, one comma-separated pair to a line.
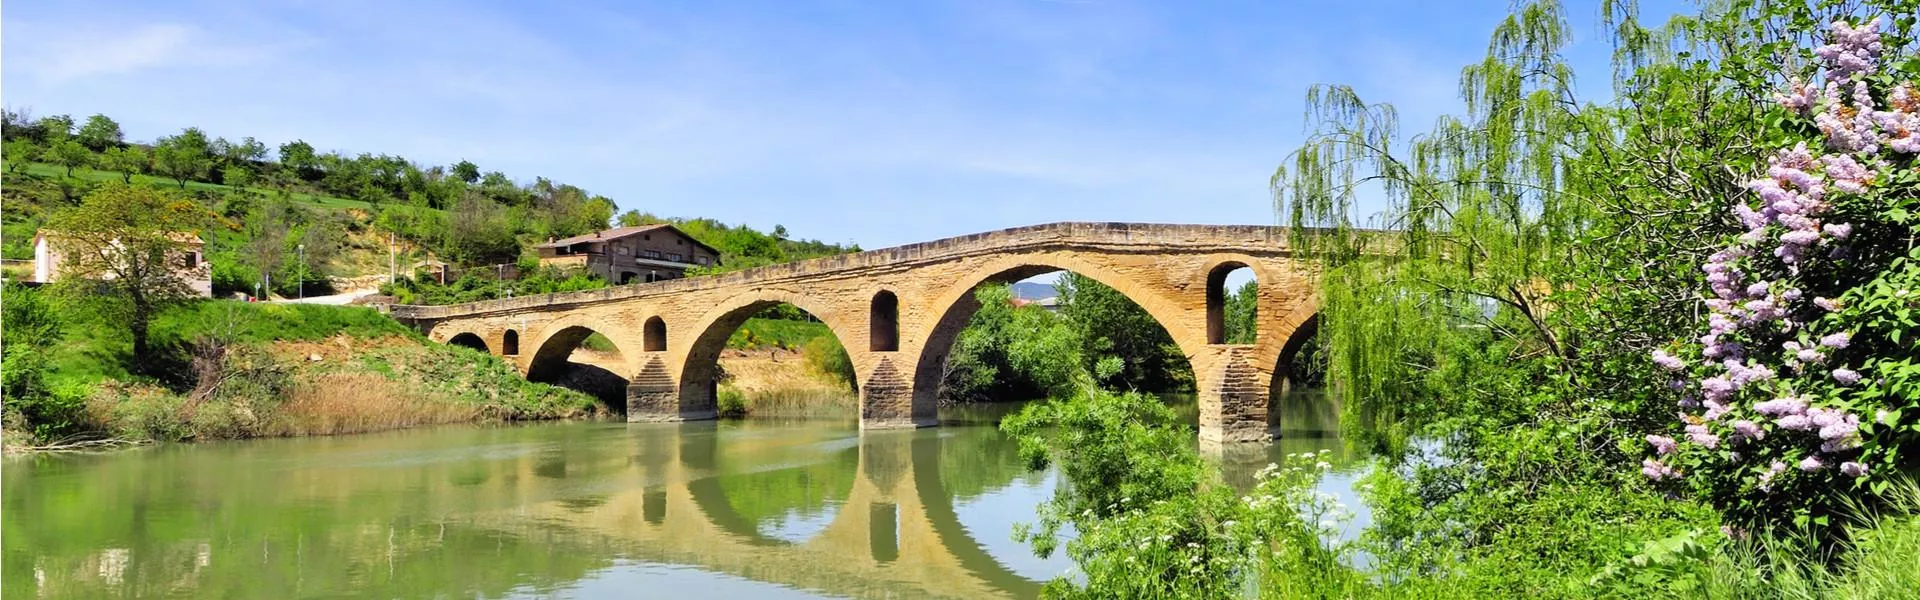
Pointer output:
x,y
300,218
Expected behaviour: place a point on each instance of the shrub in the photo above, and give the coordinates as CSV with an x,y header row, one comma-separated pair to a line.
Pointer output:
x,y
730,402
825,356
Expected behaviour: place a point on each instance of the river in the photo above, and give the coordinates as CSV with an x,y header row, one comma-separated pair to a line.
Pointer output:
x,y
759,508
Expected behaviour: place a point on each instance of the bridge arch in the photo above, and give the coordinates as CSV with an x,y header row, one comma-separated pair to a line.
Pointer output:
x,y
699,365
551,359
956,306
469,339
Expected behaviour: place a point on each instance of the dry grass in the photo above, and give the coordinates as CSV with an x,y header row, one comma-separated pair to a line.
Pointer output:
x,y
761,372
335,403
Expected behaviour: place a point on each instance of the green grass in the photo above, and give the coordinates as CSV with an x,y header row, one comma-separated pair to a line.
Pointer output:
x,y
763,333
92,349
56,171
263,322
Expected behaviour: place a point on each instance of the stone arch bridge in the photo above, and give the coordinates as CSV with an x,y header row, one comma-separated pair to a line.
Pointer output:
x,y
898,311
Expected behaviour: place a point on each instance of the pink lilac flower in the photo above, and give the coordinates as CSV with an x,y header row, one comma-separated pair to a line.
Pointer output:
x,y
1699,434
1748,430
1794,422
1853,469
1668,361
1827,304
1811,463
1846,173
1782,406
1662,445
1839,231
1657,470
1846,376
1714,410
1836,340
1849,49
1799,96
1773,470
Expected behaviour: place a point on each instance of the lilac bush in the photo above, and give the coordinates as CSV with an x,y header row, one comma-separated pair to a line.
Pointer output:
x,y
1771,394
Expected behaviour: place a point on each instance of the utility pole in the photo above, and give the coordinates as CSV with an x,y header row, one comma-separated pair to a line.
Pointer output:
x,y
393,259
302,251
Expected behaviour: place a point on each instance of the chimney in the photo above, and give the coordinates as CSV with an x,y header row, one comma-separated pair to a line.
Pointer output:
x,y
550,239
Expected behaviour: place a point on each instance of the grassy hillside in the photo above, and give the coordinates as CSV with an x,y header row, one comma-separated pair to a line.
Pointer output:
x,y
226,369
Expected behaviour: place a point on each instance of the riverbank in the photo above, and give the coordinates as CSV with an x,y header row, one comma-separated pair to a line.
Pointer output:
x,y
230,370
778,382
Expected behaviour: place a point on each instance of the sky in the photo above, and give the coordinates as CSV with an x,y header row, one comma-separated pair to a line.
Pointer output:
x,y
874,122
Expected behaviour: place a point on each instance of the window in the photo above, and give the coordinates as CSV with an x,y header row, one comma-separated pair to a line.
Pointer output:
x,y
190,260
673,256
700,260
653,254
622,250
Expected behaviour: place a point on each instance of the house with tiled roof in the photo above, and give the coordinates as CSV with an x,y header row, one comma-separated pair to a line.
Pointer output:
x,y
630,254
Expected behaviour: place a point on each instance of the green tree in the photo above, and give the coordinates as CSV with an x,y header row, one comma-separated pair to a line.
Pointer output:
x,y
466,171
183,157
123,245
298,156
20,152
634,218
1109,325
70,153
128,160
100,133
56,128
1241,310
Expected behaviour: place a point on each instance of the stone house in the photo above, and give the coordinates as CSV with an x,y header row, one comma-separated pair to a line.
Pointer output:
x,y
188,261
631,254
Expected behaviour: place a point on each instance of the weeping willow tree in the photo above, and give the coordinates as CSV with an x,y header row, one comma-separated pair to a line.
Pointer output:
x,y
1483,217
1535,246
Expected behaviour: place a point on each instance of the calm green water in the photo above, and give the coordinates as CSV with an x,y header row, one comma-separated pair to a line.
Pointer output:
x,y
737,509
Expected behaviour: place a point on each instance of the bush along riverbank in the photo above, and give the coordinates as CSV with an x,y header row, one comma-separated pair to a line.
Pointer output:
x,y
223,370
1667,346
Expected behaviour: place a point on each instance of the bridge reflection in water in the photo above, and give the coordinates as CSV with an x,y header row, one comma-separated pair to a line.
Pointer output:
x,y
893,528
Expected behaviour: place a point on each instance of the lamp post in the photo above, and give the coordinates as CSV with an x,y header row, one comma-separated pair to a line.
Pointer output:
x,y
302,251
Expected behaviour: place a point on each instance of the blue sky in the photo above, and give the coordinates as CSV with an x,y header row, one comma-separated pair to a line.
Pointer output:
x,y
874,122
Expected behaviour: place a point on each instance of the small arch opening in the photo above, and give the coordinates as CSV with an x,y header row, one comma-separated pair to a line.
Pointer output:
x,y
510,343
883,323
470,340
1233,304
654,335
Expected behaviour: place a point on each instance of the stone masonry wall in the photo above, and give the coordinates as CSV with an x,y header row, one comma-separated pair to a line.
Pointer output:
x,y
1164,268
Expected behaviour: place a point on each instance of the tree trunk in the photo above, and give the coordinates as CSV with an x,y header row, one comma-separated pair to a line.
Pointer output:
x,y
139,328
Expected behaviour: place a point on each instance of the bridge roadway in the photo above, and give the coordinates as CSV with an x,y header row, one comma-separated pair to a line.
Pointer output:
x,y
898,310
